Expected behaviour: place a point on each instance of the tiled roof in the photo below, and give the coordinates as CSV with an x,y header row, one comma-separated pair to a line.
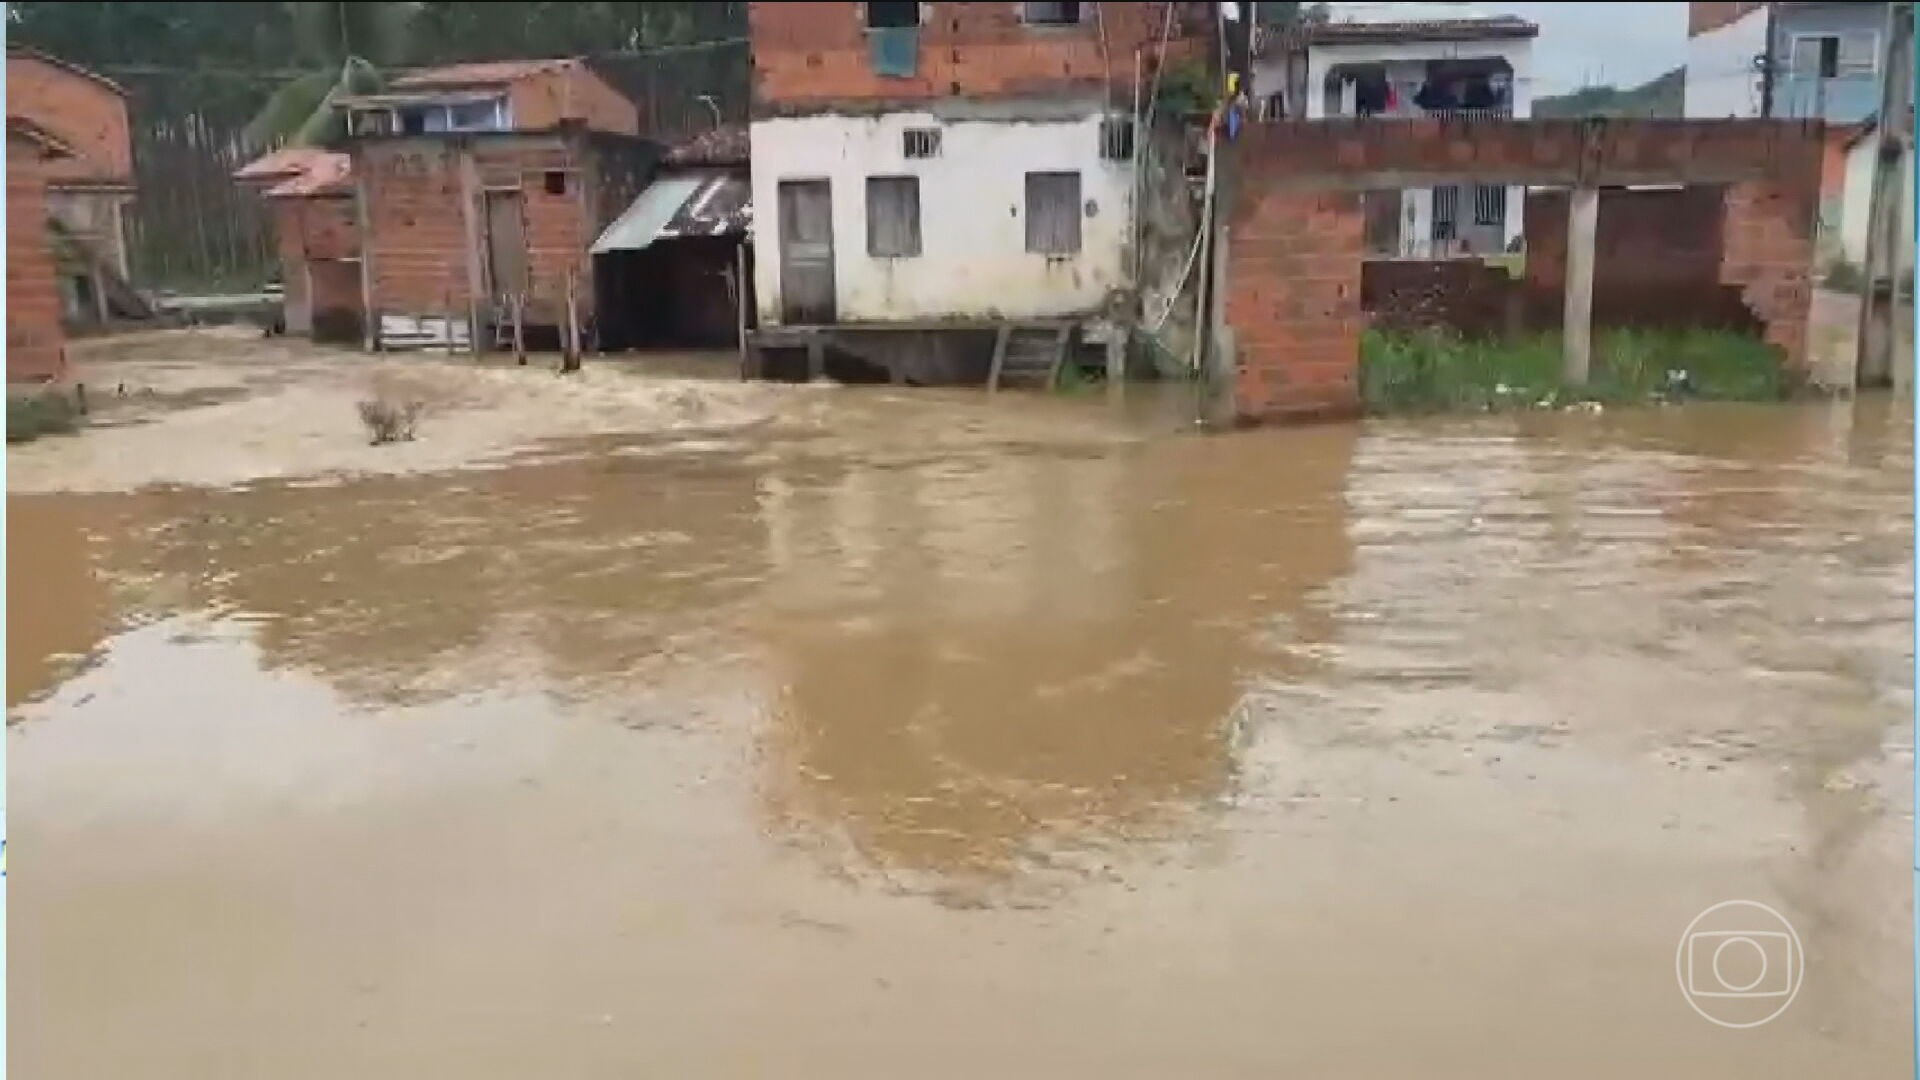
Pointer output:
x,y
298,172
27,52
51,145
483,73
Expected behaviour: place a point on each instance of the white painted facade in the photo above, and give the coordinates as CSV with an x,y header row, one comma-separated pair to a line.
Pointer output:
x,y
1857,199
1404,62
1721,80
973,262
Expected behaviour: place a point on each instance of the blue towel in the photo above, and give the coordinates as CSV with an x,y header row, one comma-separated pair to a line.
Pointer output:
x,y
894,51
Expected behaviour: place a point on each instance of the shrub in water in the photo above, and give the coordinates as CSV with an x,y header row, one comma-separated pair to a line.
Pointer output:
x,y
389,420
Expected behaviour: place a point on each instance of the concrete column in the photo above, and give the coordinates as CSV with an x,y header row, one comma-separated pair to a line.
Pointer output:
x,y
1583,219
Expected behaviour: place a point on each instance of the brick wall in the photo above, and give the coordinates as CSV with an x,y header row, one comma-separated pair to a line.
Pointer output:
x,y
1702,17
36,344
1657,256
543,101
1463,295
816,54
417,234
85,112
316,237
1293,286
1767,251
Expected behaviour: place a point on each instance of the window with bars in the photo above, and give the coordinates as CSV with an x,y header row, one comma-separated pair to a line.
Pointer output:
x,y
920,142
893,216
1489,204
1116,138
1446,212
1053,213
1830,56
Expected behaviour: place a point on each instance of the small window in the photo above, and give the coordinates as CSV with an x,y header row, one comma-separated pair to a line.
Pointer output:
x,y
555,182
1053,213
921,142
1116,138
1489,204
893,216
1050,14
886,16
1857,54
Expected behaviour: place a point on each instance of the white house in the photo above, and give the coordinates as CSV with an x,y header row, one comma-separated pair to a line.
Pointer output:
x,y
1400,61
952,210
1857,199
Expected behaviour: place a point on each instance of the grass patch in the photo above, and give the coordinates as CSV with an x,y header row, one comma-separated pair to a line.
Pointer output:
x,y
1436,371
49,412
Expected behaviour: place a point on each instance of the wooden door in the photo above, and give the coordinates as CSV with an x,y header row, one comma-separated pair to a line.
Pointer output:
x,y
506,246
806,252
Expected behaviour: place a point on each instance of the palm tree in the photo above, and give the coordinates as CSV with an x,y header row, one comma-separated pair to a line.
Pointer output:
x,y
342,42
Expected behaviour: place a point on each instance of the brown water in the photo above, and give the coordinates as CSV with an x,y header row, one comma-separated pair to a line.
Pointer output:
x,y
934,739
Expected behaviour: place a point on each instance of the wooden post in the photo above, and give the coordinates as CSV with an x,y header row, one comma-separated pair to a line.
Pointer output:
x,y
1874,355
570,346
520,329
740,303
1583,219
470,210
370,319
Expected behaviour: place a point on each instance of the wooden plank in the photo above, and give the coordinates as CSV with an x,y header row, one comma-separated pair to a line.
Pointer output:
x,y
1059,355
999,356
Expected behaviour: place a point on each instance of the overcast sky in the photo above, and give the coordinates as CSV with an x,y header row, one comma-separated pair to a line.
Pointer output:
x,y
1622,44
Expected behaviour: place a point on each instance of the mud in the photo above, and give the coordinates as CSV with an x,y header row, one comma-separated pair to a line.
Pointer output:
x,y
909,734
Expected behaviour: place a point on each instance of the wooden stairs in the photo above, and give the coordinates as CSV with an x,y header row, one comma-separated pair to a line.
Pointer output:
x,y
1029,354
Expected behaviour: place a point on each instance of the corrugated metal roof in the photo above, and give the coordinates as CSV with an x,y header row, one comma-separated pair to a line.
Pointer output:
x,y
700,204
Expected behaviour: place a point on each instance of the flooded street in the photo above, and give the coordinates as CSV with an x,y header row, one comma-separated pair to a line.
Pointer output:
x,y
878,732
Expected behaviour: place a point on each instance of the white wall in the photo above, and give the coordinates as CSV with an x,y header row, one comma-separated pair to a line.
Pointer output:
x,y
973,261
1857,200
1720,77
1517,52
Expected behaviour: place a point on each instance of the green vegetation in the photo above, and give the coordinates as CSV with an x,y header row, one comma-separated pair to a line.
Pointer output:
x,y
1657,97
49,412
1438,371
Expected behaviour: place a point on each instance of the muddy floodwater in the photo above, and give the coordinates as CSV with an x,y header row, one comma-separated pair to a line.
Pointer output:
x,y
905,734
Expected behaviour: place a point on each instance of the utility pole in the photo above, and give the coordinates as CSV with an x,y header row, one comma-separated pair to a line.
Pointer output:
x,y
1880,326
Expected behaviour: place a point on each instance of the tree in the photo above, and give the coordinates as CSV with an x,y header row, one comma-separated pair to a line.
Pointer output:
x,y
342,42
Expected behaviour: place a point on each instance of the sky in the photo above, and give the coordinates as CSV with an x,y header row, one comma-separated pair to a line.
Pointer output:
x,y
1596,44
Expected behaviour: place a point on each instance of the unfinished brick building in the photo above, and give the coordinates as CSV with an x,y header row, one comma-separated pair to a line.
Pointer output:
x,y
479,188
36,343
1734,248
317,237
88,189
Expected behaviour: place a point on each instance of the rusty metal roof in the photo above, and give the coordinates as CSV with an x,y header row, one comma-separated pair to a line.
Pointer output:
x,y
483,73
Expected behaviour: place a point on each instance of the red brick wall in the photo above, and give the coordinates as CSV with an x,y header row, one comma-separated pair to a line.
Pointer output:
x,y
82,111
36,344
1293,300
1656,260
417,235
542,101
814,54
1702,17
315,236
1768,252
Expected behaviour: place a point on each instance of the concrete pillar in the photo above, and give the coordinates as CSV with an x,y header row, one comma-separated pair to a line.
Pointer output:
x,y
1583,219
